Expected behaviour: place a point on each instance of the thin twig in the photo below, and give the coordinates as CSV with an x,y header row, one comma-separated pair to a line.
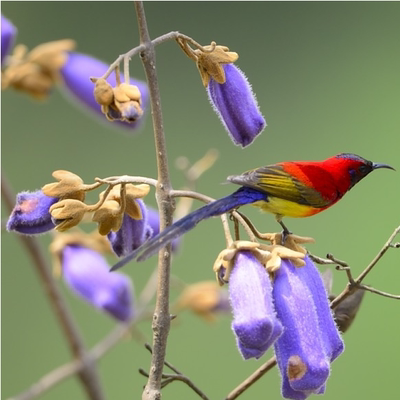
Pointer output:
x,y
351,287
376,291
88,374
178,376
254,377
117,180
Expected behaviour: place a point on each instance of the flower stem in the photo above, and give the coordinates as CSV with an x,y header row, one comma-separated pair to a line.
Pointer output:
x,y
166,205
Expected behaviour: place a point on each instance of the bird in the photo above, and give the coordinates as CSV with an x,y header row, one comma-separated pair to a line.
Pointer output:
x,y
287,189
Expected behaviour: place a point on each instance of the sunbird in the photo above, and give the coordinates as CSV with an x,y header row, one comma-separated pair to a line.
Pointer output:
x,y
286,189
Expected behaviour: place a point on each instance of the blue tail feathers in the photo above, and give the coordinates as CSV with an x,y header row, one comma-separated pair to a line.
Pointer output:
x,y
241,197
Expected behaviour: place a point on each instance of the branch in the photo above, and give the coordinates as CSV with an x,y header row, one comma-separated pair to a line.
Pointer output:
x,y
253,378
178,376
161,318
357,282
88,373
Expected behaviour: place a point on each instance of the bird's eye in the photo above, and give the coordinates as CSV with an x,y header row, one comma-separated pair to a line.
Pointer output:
x,y
363,169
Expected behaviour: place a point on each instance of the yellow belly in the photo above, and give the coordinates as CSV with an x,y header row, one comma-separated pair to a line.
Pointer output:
x,y
286,208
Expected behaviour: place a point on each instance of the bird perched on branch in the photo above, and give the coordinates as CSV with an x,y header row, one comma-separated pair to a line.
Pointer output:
x,y
286,189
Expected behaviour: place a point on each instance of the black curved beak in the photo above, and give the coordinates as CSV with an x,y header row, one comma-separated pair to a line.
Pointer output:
x,y
376,166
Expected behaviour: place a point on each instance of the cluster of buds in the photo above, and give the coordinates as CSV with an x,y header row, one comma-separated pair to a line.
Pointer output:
x,y
70,208
35,72
229,91
278,298
122,102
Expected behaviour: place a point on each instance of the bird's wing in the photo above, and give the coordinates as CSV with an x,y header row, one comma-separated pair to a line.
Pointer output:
x,y
275,181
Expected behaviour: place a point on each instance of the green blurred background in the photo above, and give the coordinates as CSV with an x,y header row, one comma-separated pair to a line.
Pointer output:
x,y
327,80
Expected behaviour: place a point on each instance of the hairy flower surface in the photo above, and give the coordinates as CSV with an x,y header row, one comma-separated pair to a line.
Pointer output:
x,y
31,213
8,33
235,104
303,353
330,335
86,272
76,75
132,234
255,323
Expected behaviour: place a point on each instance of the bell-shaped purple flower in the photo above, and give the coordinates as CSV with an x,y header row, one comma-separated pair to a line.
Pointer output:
x,y
236,106
330,335
255,323
302,352
76,74
31,215
88,275
133,233
8,33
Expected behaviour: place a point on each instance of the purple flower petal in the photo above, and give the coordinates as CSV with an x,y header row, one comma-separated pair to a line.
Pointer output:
x,y
8,33
87,274
330,335
255,324
31,215
236,106
133,233
300,352
76,73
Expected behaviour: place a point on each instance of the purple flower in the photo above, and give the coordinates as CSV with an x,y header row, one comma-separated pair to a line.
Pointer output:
x,y
255,323
310,340
87,274
153,219
8,32
330,335
76,73
133,233
236,106
31,214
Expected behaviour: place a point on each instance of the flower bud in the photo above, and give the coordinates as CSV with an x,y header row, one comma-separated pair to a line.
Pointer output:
x,y
330,335
300,351
87,274
8,33
236,106
31,214
255,323
204,299
76,75
109,217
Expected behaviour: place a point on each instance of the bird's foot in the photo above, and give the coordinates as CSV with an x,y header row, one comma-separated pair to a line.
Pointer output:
x,y
285,234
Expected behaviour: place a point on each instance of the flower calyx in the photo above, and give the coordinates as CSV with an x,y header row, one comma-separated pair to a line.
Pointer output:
x,y
69,186
37,71
122,102
67,213
269,255
209,60
292,242
119,200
